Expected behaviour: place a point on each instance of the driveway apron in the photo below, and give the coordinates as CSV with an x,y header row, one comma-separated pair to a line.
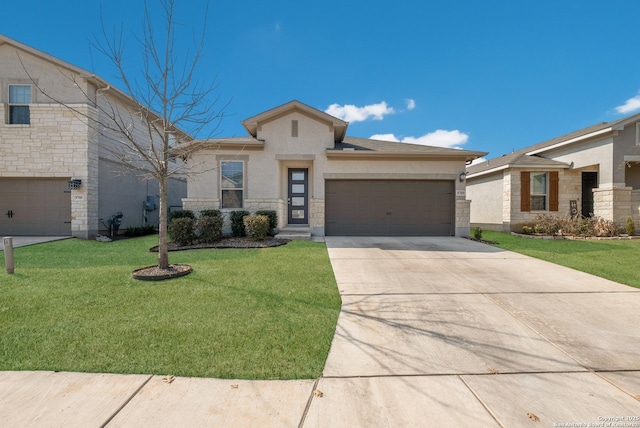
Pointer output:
x,y
452,332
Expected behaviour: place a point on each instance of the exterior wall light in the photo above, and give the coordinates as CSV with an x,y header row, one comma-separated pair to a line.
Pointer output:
x,y
75,184
463,176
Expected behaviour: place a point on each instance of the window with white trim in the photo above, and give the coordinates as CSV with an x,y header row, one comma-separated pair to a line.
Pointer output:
x,y
19,100
231,184
539,191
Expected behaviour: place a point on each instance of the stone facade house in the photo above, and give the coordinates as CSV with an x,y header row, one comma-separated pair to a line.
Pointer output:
x,y
58,175
299,161
594,171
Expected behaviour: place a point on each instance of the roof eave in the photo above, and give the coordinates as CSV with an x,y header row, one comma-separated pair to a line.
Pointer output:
x,y
571,141
372,154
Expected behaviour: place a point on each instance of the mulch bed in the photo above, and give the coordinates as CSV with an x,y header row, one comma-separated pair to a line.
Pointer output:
x,y
232,242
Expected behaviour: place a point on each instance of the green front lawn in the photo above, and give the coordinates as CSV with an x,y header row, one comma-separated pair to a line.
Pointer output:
x,y
616,260
243,313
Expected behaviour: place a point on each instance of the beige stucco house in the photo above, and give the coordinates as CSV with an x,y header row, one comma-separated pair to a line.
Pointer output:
x,y
594,171
298,161
58,174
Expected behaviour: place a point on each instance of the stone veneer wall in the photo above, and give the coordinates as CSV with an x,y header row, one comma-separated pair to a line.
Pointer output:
x,y
613,203
57,143
635,207
463,213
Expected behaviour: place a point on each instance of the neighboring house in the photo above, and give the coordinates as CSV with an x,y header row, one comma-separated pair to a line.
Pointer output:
x,y
58,175
298,161
591,172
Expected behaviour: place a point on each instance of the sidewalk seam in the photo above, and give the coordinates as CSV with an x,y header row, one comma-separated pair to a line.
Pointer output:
x,y
127,401
306,408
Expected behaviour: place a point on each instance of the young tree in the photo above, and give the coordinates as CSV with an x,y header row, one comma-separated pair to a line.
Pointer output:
x,y
170,102
159,107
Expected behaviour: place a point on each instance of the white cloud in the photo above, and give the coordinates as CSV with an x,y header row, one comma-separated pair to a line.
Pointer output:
x,y
632,104
351,113
411,104
438,138
479,160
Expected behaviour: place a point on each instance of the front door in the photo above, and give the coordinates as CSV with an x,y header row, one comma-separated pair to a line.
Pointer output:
x,y
589,182
298,199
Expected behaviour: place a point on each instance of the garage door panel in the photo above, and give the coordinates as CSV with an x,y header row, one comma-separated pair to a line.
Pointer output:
x,y
389,207
39,207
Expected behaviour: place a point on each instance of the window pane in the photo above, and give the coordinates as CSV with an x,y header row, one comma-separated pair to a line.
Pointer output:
x,y
232,199
539,184
538,203
232,177
297,175
19,115
297,201
297,214
297,188
19,94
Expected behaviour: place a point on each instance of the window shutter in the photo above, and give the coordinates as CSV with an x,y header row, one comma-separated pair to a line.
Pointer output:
x,y
553,191
525,191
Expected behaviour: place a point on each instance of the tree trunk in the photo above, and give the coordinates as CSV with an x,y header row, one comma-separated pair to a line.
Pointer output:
x,y
163,250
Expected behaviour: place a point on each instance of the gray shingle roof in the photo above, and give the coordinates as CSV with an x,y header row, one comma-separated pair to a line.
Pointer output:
x,y
521,159
363,145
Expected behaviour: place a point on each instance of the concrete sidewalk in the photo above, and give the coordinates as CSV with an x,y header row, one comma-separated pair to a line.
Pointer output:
x,y
23,241
433,332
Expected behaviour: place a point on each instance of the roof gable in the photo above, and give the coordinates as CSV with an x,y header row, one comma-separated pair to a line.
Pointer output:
x,y
253,123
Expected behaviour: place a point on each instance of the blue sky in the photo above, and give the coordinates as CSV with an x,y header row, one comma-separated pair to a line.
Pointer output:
x,y
480,75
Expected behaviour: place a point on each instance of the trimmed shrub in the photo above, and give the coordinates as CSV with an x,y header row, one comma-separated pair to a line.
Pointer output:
x,y
237,224
139,231
210,227
181,231
211,213
630,226
273,219
181,214
527,230
256,226
476,233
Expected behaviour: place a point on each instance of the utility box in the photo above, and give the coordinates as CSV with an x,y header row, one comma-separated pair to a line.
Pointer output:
x,y
150,203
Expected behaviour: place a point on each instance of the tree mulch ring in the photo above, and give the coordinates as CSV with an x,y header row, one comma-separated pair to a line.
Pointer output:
x,y
232,242
154,273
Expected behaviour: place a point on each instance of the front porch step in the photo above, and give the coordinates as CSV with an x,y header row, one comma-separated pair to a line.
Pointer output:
x,y
303,233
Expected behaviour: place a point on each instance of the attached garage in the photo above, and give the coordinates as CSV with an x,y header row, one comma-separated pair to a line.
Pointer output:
x,y
390,207
35,207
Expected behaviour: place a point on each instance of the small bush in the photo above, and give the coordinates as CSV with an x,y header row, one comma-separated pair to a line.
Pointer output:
x,y
181,214
181,231
604,227
237,224
273,219
590,226
630,226
211,213
256,226
476,233
210,228
140,231
527,230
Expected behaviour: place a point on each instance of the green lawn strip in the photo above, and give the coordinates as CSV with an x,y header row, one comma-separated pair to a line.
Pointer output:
x,y
616,260
243,313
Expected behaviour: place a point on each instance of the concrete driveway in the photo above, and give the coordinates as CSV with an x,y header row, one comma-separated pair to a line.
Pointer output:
x,y
434,332
451,332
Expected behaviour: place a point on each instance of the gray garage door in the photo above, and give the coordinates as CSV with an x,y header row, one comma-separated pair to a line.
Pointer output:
x,y
389,208
35,207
